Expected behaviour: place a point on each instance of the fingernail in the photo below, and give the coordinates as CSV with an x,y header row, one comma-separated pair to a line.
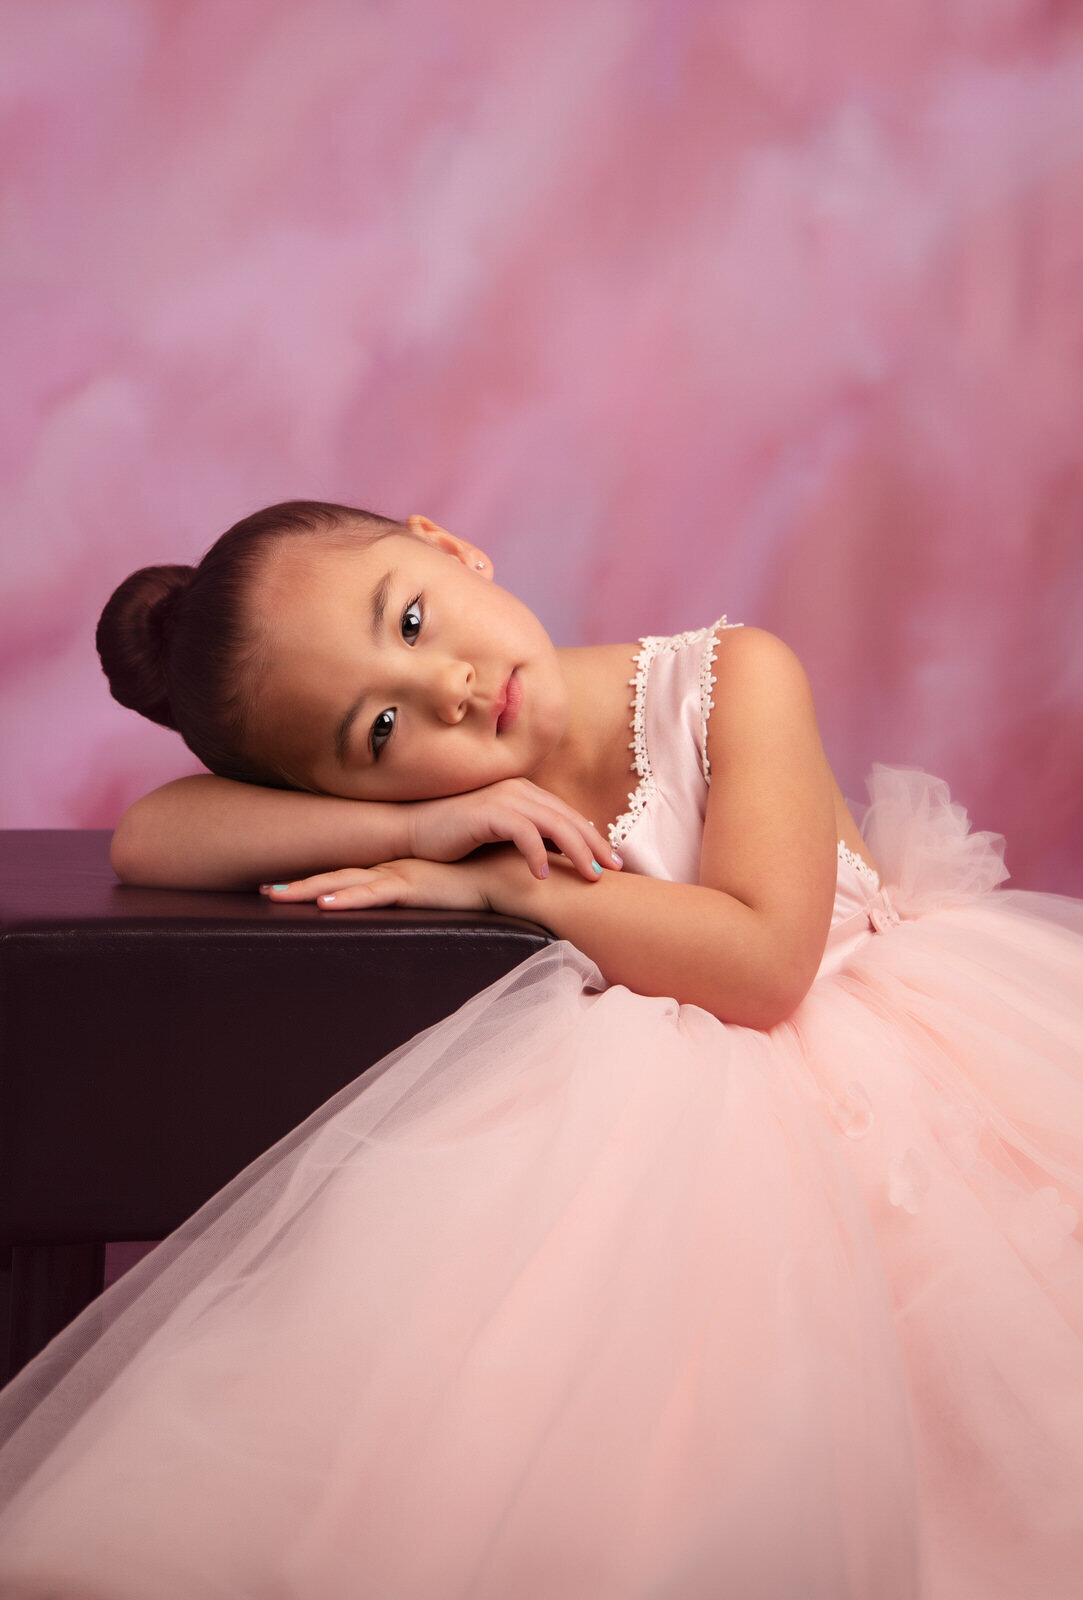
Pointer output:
x,y
596,865
325,899
280,886
543,870
617,857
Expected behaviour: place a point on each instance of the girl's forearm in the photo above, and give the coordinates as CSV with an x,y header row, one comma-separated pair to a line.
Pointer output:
x,y
699,945
205,832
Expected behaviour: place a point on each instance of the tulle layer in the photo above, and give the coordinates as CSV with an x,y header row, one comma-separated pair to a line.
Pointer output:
x,y
583,1295
923,843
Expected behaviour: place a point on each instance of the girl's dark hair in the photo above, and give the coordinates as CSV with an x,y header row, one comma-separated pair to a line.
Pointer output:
x,y
176,643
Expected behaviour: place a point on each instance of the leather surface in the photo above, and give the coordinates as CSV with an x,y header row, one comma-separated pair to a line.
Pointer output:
x,y
153,1041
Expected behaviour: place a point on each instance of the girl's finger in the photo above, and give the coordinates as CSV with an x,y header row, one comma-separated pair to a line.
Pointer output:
x,y
528,840
319,883
605,852
529,834
600,847
548,809
381,891
588,852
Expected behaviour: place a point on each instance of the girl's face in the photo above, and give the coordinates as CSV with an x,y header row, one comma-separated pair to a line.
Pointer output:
x,y
400,671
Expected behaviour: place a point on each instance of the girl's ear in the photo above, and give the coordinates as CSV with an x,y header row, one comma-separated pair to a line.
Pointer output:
x,y
451,544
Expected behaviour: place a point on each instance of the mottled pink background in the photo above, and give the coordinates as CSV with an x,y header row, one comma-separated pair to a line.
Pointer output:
x,y
772,307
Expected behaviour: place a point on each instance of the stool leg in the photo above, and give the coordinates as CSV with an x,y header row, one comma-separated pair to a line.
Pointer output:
x,y
50,1285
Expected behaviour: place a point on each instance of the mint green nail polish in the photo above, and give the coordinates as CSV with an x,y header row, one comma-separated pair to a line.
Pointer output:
x,y
280,886
596,865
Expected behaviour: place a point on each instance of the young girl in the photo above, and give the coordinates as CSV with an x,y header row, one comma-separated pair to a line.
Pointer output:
x,y
728,1247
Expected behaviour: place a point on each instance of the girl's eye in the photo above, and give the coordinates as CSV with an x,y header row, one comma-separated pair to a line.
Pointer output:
x,y
384,725
411,620
381,731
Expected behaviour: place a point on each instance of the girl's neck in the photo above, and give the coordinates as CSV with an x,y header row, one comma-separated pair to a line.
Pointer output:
x,y
591,767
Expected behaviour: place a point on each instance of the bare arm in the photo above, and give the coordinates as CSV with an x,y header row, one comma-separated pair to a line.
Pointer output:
x,y
204,832
743,943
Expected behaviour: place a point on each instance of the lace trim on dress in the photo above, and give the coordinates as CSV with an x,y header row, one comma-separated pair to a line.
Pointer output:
x,y
707,682
652,646
859,865
640,797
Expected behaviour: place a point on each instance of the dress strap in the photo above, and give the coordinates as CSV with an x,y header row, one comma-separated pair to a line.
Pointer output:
x,y
651,646
706,686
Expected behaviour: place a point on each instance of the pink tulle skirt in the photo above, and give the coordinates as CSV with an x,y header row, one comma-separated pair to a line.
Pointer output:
x,y
583,1295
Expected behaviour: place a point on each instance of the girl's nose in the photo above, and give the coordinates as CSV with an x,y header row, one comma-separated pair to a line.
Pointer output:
x,y
453,682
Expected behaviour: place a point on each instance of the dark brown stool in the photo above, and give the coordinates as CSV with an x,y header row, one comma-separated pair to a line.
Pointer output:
x,y
153,1042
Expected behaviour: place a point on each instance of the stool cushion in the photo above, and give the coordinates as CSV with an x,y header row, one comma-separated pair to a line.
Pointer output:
x,y
153,1042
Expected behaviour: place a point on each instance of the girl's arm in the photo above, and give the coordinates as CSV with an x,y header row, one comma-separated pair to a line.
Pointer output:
x,y
204,832
745,942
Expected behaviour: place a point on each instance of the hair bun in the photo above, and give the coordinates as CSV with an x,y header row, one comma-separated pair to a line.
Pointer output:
x,y
133,639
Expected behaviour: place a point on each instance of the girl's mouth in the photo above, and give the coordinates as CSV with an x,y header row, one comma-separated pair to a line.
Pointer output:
x,y
513,699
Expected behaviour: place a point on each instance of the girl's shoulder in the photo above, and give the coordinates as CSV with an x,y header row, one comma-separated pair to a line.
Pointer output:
x,y
771,830
759,668
742,676
758,684
720,716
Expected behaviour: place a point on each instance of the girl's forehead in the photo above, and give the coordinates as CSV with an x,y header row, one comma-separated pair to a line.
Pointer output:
x,y
318,561
315,572
304,607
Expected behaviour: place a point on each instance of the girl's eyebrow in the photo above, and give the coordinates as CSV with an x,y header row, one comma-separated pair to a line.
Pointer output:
x,y
379,600
342,732
378,605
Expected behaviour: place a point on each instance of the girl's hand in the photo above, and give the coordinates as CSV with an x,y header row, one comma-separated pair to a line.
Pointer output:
x,y
454,886
514,810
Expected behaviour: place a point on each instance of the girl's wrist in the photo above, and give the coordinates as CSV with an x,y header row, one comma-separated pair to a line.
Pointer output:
x,y
507,882
511,888
407,814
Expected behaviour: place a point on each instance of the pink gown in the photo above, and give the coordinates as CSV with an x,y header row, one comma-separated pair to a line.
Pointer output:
x,y
586,1295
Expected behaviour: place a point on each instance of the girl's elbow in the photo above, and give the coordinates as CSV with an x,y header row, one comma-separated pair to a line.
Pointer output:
x,y
766,1011
127,855
791,957
783,1004
120,857
777,996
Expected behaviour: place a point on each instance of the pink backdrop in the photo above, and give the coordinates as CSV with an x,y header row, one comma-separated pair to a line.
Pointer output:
x,y
771,307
